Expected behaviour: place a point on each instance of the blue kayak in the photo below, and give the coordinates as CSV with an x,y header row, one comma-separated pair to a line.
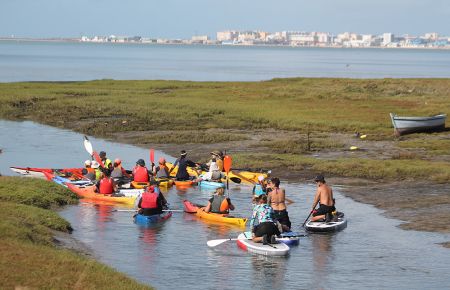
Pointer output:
x,y
150,219
62,180
210,184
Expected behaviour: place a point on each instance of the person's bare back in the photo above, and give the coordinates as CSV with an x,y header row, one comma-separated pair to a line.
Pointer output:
x,y
325,195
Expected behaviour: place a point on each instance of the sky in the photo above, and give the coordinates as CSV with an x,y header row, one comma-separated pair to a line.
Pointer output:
x,y
184,18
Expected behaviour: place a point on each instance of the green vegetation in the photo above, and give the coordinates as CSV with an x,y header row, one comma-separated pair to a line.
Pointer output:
x,y
188,137
324,105
29,256
351,167
284,118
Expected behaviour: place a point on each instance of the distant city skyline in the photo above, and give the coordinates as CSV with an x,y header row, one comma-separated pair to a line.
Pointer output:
x,y
182,19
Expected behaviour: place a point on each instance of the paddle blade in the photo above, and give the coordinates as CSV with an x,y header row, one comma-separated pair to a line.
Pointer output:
x,y
98,159
214,243
235,179
88,145
227,163
152,155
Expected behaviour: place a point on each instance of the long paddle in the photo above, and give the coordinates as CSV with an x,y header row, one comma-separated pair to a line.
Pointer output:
x,y
303,225
214,243
152,156
227,166
88,145
92,152
133,210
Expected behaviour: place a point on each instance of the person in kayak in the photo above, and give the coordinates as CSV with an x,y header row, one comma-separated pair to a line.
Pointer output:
x,y
97,170
108,164
213,174
277,200
260,187
161,171
217,155
182,163
119,173
151,201
88,172
219,203
324,196
140,172
106,185
262,224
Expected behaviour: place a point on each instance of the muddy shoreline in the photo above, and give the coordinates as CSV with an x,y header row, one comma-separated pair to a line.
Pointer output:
x,y
421,205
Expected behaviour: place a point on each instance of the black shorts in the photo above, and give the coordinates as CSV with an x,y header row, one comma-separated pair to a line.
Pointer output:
x,y
283,217
267,228
324,209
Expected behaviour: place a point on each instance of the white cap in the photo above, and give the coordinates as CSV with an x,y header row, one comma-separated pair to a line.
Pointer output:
x,y
261,178
95,164
87,162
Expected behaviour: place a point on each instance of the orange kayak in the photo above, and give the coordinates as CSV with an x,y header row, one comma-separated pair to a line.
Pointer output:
x,y
216,217
89,193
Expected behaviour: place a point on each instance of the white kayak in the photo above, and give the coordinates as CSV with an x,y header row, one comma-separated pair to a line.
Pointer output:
x,y
331,226
244,242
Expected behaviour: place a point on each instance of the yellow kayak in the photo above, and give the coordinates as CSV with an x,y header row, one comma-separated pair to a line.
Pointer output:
x,y
216,217
247,177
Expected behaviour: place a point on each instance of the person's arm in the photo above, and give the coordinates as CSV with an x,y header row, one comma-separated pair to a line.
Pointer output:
x,y
230,205
316,200
252,220
97,186
173,166
207,207
269,198
140,203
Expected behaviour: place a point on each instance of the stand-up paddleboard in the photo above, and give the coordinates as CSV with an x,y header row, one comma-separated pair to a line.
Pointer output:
x,y
332,226
244,242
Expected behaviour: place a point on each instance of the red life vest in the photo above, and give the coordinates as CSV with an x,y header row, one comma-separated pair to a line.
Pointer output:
x,y
140,174
149,200
106,186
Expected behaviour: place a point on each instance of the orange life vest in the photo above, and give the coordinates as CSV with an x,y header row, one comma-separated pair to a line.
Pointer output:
x,y
140,174
149,200
106,186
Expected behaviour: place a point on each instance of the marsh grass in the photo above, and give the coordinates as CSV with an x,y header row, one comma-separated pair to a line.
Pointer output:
x,y
301,105
325,105
350,167
28,254
185,137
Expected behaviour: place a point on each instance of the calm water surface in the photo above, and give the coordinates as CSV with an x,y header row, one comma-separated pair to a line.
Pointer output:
x,y
370,253
48,61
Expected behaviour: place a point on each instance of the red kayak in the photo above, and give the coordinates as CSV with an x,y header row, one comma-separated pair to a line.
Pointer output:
x,y
39,172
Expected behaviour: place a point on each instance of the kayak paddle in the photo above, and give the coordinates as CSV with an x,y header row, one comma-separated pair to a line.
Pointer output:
x,y
307,219
214,243
88,145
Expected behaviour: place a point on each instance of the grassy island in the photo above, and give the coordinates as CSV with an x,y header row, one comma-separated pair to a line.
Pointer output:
x,y
31,257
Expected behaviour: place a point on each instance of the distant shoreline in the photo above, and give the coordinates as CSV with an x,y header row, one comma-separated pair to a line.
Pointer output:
x,y
77,40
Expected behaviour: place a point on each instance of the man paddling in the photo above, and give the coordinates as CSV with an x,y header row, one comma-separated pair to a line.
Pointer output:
x,y
151,201
324,196
182,163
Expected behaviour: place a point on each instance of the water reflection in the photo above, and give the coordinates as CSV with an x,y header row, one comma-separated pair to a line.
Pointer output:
x,y
322,257
268,272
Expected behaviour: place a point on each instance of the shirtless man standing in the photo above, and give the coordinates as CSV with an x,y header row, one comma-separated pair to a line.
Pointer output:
x,y
324,196
277,200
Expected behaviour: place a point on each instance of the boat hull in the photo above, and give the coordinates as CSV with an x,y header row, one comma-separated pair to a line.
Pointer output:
x,y
152,219
244,242
215,217
408,125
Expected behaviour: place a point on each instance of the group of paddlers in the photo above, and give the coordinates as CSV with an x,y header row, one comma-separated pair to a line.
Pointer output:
x,y
269,217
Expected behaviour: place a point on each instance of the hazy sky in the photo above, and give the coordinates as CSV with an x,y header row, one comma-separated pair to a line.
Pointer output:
x,y
184,18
